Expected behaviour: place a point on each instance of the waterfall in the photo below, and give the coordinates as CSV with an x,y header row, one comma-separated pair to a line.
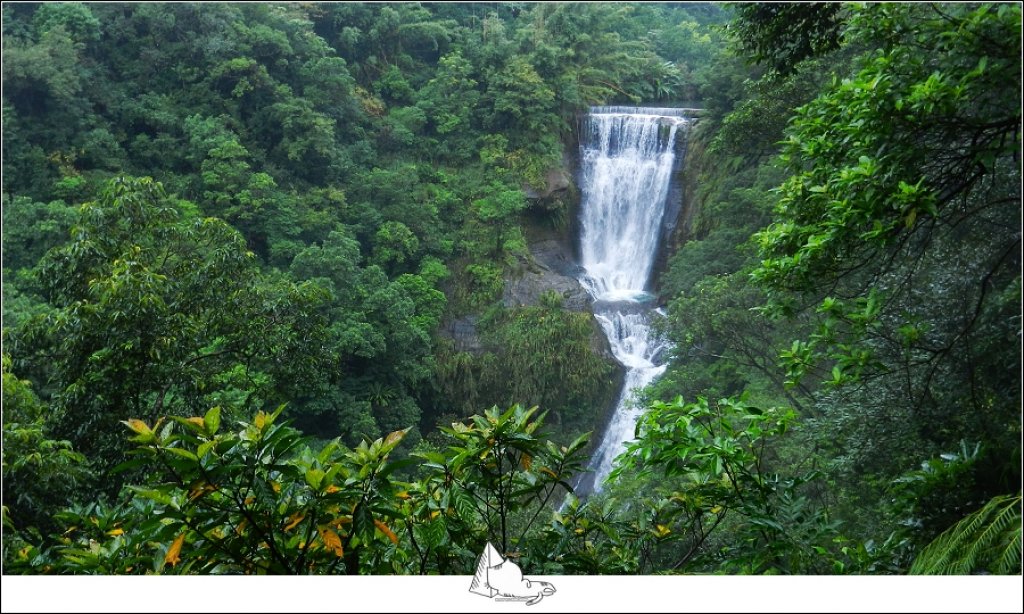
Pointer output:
x,y
627,161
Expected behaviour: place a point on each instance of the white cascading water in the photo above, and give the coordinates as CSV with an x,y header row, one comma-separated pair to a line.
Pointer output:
x,y
628,156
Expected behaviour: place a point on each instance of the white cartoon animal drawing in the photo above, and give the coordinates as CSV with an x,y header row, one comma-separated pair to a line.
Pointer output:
x,y
499,577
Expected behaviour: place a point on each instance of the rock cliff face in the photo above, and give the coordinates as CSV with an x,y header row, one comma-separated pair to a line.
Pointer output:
x,y
556,180
676,228
552,269
463,332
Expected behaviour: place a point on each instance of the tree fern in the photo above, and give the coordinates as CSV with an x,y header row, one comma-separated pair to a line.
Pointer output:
x,y
986,540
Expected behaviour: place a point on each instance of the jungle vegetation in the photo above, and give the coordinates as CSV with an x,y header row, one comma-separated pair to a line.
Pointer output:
x,y
236,238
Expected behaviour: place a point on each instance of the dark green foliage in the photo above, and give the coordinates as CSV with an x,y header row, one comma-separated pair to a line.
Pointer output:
x,y
877,141
886,285
715,455
898,171
547,359
342,142
245,501
254,499
988,539
334,184
156,310
785,33
31,228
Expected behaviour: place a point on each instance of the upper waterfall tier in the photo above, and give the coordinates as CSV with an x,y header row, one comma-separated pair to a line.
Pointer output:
x,y
627,162
645,111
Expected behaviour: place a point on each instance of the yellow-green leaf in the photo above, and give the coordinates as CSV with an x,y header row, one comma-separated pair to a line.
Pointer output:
x,y
393,438
138,426
911,218
212,420
204,448
314,477
182,453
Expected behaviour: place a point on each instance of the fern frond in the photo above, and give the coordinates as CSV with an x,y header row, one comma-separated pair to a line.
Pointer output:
x,y
986,540
1010,561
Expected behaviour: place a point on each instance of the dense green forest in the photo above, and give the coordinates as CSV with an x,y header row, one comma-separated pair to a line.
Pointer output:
x,y
257,262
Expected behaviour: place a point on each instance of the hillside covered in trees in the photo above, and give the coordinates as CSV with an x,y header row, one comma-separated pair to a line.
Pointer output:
x,y
270,301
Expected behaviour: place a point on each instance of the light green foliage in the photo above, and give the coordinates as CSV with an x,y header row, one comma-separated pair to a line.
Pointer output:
x,y
39,472
74,17
393,87
594,63
31,228
497,213
496,479
520,92
713,458
153,311
686,40
546,358
479,286
859,192
607,537
697,493
336,259
449,98
986,540
394,245
251,498
307,136
328,85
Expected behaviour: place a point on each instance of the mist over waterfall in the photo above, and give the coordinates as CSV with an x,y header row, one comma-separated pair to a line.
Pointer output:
x,y
627,161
